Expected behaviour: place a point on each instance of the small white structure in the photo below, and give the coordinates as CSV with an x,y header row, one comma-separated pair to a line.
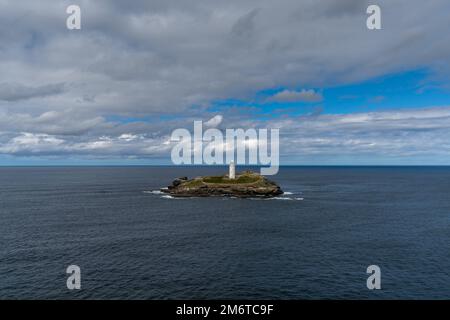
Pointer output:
x,y
232,171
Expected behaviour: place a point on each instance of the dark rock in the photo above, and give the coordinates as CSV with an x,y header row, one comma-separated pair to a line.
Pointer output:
x,y
179,181
176,182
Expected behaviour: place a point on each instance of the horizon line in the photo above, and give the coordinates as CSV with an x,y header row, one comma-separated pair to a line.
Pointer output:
x,y
223,165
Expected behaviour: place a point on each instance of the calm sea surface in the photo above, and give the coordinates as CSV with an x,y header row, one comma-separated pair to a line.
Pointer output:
x,y
314,242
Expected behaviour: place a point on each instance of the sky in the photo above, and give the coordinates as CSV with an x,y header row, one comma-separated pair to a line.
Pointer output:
x,y
113,92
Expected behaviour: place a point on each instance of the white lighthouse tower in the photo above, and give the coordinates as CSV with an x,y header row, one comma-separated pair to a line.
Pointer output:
x,y
232,171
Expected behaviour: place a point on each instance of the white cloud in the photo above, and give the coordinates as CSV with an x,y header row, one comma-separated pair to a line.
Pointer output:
x,y
400,133
297,96
29,143
128,137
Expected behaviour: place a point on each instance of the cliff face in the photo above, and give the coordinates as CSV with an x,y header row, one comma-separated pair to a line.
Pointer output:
x,y
246,185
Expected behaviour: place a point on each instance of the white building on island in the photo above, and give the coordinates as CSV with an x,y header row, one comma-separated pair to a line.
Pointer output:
x,y
232,171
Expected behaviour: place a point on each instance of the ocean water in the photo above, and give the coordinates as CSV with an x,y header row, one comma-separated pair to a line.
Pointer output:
x,y
315,242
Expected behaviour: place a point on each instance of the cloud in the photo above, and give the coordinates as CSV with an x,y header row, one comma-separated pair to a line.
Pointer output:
x,y
297,96
128,137
137,70
15,91
29,144
67,122
401,134
169,57
244,26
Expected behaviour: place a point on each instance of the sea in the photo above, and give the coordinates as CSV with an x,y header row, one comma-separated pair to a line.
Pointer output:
x,y
316,241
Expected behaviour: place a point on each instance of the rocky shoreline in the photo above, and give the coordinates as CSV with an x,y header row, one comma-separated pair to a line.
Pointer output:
x,y
245,185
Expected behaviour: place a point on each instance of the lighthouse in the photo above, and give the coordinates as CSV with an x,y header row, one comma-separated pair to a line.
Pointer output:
x,y
232,171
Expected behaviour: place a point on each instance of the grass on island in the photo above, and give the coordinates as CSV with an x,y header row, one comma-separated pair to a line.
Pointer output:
x,y
193,183
244,178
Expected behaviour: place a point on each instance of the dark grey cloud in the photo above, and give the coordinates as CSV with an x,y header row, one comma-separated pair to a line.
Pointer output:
x,y
244,26
16,92
167,56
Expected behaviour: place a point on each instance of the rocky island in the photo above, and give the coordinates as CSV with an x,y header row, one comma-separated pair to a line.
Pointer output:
x,y
247,184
